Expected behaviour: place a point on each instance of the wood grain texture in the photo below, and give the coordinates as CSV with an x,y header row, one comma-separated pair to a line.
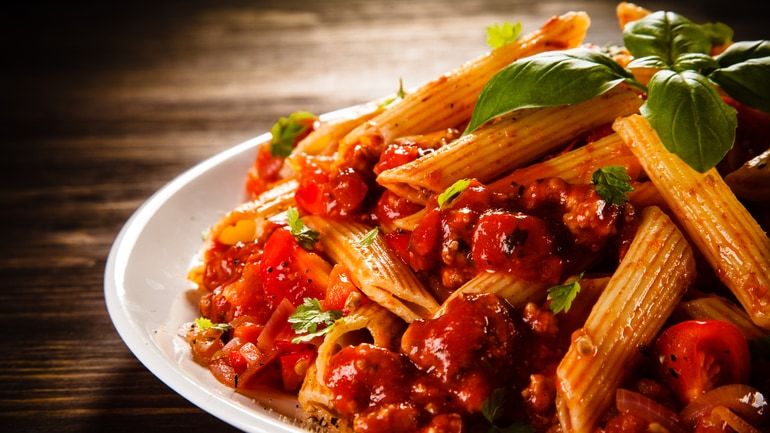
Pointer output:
x,y
101,104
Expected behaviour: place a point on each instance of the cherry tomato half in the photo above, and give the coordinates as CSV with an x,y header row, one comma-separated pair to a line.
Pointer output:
x,y
696,356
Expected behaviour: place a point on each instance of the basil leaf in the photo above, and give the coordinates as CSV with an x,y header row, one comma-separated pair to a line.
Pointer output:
x,y
695,62
545,80
718,33
691,119
742,51
747,82
648,62
665,34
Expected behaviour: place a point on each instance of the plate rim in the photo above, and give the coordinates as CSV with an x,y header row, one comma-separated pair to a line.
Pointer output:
x,y
136,341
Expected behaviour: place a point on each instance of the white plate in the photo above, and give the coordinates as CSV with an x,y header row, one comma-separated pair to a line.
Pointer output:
x,y
146,289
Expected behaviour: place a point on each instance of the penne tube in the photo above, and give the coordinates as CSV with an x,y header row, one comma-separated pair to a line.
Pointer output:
x,y
719,308
409,223
730,239
325,138
751,181
515,291
640,296
244,222
449,100
629,12
506,143
382,328
646,194
374,268
577,166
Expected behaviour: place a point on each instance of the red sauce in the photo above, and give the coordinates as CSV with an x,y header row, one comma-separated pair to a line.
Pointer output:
x,y
391,207
447,368
539,232
328,192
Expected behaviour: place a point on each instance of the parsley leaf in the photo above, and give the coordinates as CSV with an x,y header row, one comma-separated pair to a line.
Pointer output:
x,y
491,410
305,236
493,404
562,296
286,131
453,191
400,94
308,316
369,237
502,34
612,183
203,324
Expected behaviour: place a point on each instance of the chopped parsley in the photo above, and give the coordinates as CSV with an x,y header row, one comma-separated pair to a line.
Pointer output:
x,y
286,131
400,94
308,316
492,408
204,324
369,237
612,183
502,34
305,236
453,191
562,296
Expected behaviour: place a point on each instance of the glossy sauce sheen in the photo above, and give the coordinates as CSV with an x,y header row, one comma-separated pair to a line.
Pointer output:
x,y
447,367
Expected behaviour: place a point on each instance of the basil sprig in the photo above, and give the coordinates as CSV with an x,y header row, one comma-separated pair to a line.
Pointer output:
x,y
545,80
682,105
689,116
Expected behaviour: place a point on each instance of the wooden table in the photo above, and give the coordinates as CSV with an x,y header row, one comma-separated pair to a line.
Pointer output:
x,y
102,105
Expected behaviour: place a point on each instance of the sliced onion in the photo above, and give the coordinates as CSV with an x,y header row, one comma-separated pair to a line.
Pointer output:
x,y
266,339
746,401
638,405
735,422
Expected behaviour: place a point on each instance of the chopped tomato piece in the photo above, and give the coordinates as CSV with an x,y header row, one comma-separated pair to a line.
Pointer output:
x,y
398,241
516,243
340,288
281,273
248,332
396,155
293,368
696,356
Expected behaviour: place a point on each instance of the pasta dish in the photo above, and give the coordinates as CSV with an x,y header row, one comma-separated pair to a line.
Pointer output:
x,y
554,237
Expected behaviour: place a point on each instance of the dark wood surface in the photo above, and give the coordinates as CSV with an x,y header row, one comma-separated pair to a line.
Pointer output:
x,y
101,104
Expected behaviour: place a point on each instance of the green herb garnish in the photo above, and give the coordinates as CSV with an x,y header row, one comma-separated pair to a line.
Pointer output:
x,y
308,316
612,183
453,191
682,104
305,236
561,296
492,408
400,94
204,324
286,131
369,237
502,34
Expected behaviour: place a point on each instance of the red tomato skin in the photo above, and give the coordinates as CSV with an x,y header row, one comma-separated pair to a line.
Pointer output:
x,y
279,274
516,243
339,290
698,355
248,332
293,368
398,241
396,155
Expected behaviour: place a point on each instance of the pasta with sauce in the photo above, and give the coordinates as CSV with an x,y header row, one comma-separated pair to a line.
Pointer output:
x,y
397,276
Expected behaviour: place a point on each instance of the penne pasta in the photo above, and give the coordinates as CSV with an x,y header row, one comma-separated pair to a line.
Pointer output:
x,y
325,138
243,223
379,273
638,299
577,166
515,291
449,100
718,224
719,308
517,138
